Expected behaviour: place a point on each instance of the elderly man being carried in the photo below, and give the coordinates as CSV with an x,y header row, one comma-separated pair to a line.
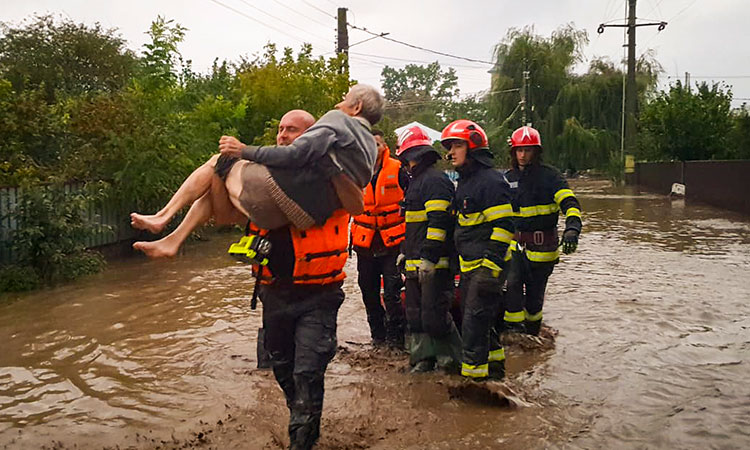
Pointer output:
x,y
300,184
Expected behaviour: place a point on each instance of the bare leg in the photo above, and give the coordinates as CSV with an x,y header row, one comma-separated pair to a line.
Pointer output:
x,y
214,203
194,186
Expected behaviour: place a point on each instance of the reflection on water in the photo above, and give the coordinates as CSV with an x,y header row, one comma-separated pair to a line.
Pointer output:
x,y
653,312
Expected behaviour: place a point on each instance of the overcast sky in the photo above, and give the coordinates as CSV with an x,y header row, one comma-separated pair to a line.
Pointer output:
x,y
708,38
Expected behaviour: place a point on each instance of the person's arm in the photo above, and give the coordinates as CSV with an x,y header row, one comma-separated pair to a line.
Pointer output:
x,y
309,147
403,178
499,213
568,204
439,219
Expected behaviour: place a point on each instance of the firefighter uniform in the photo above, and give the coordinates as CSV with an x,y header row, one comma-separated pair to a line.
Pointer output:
x,y
301,294
539,193
429,225
483,234
375,236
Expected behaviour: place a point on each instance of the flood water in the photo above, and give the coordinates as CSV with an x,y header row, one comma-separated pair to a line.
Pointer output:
x,y
653,314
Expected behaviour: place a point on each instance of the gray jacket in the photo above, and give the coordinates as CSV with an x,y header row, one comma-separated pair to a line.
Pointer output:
x,y
345,140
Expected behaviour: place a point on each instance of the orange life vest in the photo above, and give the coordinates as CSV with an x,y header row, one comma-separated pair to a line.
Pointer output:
x,y
381,209
320,252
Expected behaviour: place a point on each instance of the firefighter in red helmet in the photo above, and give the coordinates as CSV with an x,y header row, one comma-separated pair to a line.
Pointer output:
x,y
540,193
434,339
484,230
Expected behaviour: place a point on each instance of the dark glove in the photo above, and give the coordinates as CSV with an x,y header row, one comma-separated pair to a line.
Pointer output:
x,y
426,269
570,241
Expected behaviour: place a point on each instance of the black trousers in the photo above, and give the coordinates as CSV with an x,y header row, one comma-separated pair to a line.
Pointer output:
x,y
388,323
300,337
428,307
481,303
527,283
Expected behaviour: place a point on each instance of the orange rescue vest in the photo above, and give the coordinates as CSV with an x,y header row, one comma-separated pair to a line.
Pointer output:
x,y
320,252
381,209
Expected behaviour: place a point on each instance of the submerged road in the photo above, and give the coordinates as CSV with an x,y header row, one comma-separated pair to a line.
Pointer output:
x,y
653,314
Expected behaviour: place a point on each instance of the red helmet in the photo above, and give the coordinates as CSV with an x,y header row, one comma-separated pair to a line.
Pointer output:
x,y
410,138
525,136
465,130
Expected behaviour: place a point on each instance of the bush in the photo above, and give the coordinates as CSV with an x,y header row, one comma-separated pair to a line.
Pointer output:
x,y
18,279
52,232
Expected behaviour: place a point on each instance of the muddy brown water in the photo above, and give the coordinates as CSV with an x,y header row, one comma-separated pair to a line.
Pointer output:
x,y
653,314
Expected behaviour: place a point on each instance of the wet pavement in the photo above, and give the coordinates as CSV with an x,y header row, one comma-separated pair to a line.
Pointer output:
x,y
653,315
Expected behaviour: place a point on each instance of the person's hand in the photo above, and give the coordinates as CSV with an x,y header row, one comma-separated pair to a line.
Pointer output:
x,y
570,241
230,146
400,259
426,269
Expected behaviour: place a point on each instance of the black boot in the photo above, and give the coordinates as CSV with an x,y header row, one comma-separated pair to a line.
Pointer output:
x,y
514,327
533,328
497,370
426,365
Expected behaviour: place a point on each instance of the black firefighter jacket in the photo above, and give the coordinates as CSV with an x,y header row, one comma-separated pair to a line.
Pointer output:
x,y
484,219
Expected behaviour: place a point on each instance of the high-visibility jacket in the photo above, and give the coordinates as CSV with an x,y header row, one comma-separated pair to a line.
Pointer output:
x,y
382,213
320,252
429,222
484,219
539,194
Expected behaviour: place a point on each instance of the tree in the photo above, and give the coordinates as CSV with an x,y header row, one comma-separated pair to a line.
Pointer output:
x,y
689,124
63,57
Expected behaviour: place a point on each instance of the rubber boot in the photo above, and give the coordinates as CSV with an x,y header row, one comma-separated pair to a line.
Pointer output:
x,y
394,334
533,328
497,370
448,351
421,352
514,327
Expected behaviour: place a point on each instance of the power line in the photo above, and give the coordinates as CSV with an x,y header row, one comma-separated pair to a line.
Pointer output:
x,y
318,9
683,10
381,35
416,60
300,14
258,21
281,20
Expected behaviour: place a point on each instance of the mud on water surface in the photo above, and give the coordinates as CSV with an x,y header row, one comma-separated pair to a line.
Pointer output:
x,y
654,338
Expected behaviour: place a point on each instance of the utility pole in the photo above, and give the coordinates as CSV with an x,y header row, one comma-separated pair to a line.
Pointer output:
x,y
687,80
524,96
631,94
342,41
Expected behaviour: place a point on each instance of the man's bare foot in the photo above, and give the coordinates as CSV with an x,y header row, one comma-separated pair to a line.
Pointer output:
x,y
154,223
157,249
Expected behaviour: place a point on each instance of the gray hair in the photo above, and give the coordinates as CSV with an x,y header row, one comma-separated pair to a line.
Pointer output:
x,y
373,104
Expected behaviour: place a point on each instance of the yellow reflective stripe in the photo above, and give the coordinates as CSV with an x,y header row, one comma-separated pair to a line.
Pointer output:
x,y
443,263
412,264
491,265
436,234
436,205
471,219
514,317
533,317
416,216
543,256
468,266
501,235
573,212
498,212
480,371
496,355
562,194
508,253
538,210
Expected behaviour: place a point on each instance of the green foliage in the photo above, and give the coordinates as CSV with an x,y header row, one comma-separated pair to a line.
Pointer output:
x,y
272,86
426,94
159,57
62,57
52,231
740,135
18,279
689,124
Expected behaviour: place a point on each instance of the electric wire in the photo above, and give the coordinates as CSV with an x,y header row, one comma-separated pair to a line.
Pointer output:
x,y
328,26
283,21
260,22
